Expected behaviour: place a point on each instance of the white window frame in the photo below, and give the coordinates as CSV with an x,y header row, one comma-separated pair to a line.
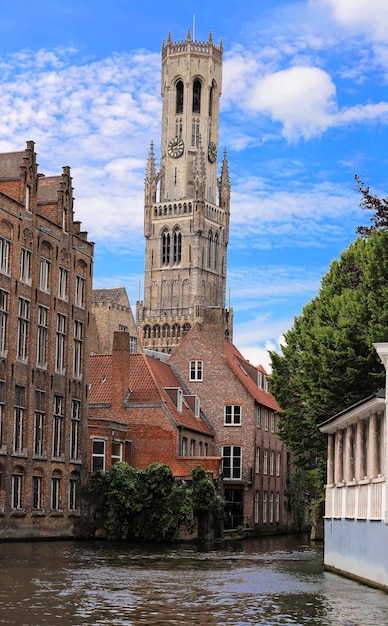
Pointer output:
x,y
73,494
75,428
36,493
265,462
2,411
80,291
271,463
55,503
60,344
63,282
41,344
25,266
39,420
23,328
132,344
5,248
98,455
19,418
44,276
277,507
58,415
233,470
265,507
77,354
266,419
3,321
271,507
257,460
278,458
117,456
196,370
232,415
257,506
17,492
272,422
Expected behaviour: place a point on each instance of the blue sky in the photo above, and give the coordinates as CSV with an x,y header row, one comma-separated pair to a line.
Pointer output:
x,y
304,108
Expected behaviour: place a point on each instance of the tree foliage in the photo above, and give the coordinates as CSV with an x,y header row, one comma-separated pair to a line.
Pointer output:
x,y
370,202
148,505
328,361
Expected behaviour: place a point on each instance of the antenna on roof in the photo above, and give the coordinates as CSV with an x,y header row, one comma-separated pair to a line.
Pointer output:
x,y
194,27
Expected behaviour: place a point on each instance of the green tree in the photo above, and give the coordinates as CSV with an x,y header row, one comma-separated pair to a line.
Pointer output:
x,y
371,202
328,361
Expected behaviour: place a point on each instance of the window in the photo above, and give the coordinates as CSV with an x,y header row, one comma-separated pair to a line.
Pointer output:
x,y
132,344
55,493
25,266
265,462
39,419
57,426
23,326
272,422
73,493
117,452
17,483
75,427
177,252
258,417
277,507
271,507
271,462
4,255
257,504
192,447
19,415
165,248
44,275
42,337
266,419
179,399
63,280
195,133
278,464
184,446
36,492
231,462
60,343
3,320
265,507
257,461
98,455
179,97
77,356
232,415
80,292
197,96
2,409
196,370
260,377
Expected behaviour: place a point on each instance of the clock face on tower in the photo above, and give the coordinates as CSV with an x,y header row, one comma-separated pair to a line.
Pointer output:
x,y
212,152
175,147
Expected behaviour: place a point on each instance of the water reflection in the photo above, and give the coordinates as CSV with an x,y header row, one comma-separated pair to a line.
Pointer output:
x,y
271,581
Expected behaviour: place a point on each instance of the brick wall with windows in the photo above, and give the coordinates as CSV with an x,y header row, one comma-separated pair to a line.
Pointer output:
x,y
42,254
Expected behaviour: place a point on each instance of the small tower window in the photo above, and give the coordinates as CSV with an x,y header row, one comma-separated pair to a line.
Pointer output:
x,y
165,248
195,133
177,246
197,96
211,94
179,97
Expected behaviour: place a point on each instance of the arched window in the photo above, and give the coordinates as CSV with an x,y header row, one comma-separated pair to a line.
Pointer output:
x,y
177,246
147,331
176,330
156,331
209,249
211,94
165,248
186,328
197,96
165,331
216,251
179,97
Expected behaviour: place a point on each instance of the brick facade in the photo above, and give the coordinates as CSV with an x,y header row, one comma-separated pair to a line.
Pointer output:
x,y
45,299
243,413
111,311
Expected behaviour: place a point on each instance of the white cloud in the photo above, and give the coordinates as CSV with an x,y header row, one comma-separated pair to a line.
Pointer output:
x,y
365,16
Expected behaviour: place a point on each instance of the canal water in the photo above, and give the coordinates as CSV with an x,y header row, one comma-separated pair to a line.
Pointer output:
x,y
271,581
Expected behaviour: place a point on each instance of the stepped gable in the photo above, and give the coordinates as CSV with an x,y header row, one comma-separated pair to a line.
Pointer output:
x,y
247,375
10,163
48,187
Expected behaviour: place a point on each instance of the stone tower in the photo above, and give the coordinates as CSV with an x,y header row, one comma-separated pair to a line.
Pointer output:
x,y
186,206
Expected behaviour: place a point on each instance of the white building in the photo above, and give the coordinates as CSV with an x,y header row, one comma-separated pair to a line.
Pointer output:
x,y
356,511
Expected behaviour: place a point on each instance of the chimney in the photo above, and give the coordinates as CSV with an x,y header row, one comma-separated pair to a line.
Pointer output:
x,y
120,366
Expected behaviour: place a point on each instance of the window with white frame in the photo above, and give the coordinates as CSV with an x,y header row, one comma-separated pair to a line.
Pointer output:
x,y
271,507
265,507
184,446
278,464
231,462
44,282
39,420
272,422
23,327
74,484
63,281
3,320
25,266
4,255
232,415
80,292
277,507
257,505
196,370
16,496
260,377
265,462
2,409
58,426
98,455
55,493
271,462
37,492
19,418
192,447
266,419
257,461
41,360
60,344
117,451
77,352
75,428
132,344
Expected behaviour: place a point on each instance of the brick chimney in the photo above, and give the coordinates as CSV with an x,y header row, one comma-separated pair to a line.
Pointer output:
x,y
120,366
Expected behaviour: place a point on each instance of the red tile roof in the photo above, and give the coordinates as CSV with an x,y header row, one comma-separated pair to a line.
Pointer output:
x,y
100,379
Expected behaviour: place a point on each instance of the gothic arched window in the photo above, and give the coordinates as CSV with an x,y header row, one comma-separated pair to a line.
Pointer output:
x,y
197,96
165,248
177,246
147,332
165,331
156,331
210,249
179,97
216,251
211,94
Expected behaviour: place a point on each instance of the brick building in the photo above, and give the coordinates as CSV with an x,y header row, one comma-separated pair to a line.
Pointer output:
x,y
45,299
140,412
186,203
236,399
111,311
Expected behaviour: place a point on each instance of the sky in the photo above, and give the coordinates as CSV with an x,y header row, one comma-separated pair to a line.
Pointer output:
x,y
304,108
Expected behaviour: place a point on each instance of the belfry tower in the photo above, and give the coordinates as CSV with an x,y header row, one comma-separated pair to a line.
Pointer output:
x,y
186,206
